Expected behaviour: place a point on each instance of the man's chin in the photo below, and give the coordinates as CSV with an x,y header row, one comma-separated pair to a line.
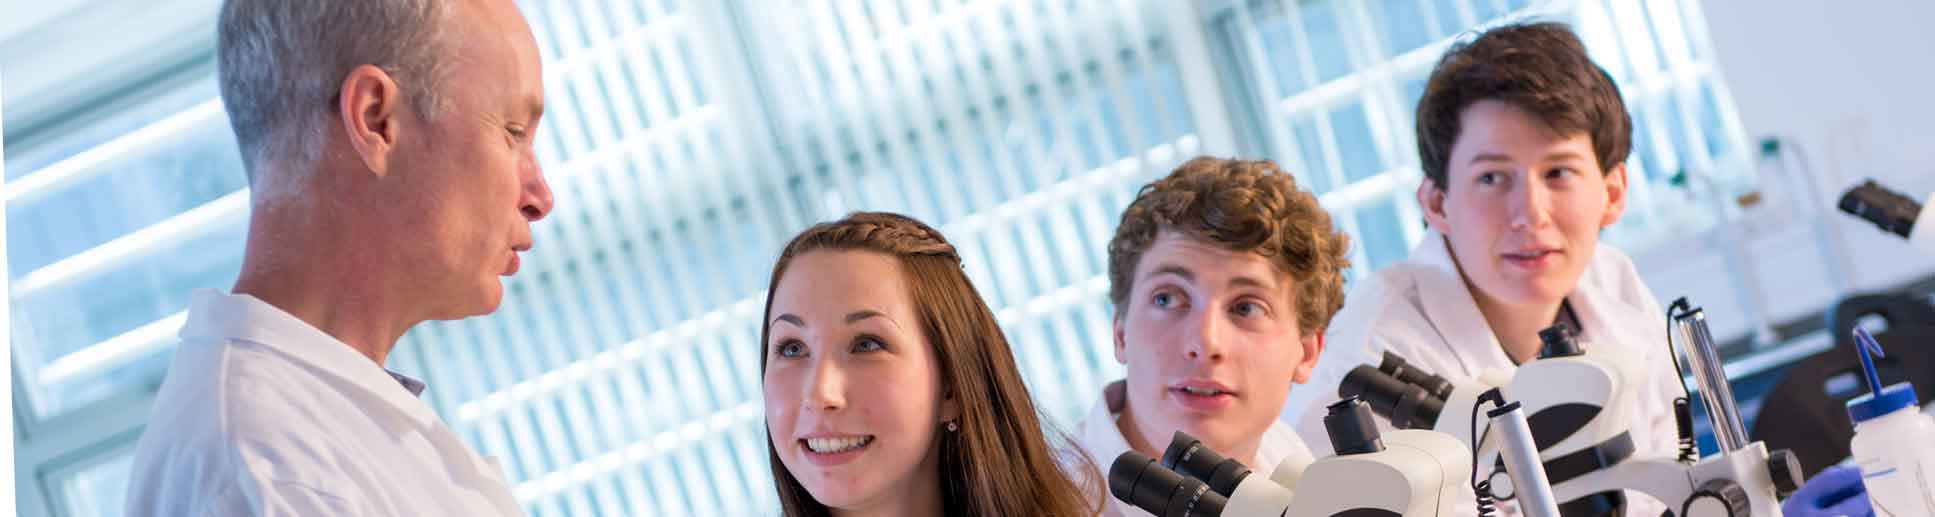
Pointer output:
x,y
480,302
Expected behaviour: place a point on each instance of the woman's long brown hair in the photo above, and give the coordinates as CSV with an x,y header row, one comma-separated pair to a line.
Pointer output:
x,y
1000,462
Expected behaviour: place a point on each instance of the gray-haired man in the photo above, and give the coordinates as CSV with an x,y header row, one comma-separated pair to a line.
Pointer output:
x,y
388,145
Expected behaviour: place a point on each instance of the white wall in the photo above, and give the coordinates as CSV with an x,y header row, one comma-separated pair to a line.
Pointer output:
x,y
1853,84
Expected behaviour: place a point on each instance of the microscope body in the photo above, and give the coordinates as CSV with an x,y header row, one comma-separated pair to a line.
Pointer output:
x,y
1731,484
1405,473
1418,474
1575,400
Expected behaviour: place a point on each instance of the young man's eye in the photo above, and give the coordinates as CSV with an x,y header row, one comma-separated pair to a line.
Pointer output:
x,y
1490,178
790,349
1247,309
868,344
1163,300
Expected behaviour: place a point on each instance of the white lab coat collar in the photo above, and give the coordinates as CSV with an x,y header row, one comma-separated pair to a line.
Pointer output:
x,y
1455,315
1599,298
219,316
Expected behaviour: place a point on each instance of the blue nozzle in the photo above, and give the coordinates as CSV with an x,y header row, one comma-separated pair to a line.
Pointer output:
x,y
1879,400
1868,349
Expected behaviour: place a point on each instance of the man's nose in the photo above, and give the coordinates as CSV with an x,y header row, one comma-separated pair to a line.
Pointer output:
x,y
536,201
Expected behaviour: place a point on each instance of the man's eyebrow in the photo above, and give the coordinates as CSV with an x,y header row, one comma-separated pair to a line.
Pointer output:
x,y
1490,157
1171,269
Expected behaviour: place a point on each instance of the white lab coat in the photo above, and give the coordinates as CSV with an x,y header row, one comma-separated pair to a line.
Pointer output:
x,y
1102,439
1421,309
262,414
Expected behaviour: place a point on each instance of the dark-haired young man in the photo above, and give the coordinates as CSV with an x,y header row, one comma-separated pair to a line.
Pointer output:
x,y
1523,142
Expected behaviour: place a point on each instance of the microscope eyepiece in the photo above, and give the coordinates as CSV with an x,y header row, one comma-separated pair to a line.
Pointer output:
x,y
1187,456
1351,429
1893,212
1397,367
1407,405
1559,341
1138,480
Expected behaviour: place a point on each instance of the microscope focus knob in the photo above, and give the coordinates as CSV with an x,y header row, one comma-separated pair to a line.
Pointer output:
x,y
1786,471
1717,498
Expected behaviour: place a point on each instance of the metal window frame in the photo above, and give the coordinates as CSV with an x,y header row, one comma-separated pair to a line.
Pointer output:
x,y
1220,91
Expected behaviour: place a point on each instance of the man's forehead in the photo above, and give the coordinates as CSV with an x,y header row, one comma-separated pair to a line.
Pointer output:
x,y
1199,260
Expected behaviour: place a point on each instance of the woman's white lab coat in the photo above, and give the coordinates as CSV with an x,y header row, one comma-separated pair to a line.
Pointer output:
x,y
1421,309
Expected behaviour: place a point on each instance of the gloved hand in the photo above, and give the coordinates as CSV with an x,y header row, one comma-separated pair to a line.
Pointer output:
x,y
1834,492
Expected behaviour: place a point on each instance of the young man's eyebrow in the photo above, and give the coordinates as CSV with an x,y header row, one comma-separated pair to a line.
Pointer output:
x,y
1249,281
1490,157
1564,155
1173,270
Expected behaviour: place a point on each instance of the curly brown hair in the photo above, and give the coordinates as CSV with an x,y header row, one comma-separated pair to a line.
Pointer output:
x,y
1001,461
1241,205
1539,67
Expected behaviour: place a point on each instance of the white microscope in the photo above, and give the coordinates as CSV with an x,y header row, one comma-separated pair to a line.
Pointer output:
x,y
1588,454
1405,473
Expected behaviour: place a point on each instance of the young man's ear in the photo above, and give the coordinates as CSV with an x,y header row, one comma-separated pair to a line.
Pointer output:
x,y
368,108
1615,195
1431,199
1313,345
1121,346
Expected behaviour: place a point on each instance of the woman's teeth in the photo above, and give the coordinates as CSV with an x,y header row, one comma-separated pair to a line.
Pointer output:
x,y
837,445
1192,390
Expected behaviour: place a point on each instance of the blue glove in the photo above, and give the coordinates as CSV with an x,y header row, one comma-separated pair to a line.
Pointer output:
x,y
1834,492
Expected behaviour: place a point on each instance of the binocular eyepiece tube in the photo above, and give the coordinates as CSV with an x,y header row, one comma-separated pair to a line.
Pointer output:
x,y
1139,480
1408,405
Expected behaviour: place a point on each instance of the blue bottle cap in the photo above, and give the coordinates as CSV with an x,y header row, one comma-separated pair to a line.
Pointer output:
x,y
1888,400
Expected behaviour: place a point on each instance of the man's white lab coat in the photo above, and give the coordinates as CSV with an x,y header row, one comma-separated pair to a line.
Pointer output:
x,y
262,414
1421,309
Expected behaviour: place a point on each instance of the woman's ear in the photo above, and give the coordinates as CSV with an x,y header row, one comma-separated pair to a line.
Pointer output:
x,y
950,406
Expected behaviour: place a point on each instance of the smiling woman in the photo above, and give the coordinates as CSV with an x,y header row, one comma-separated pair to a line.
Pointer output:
x,y
889,397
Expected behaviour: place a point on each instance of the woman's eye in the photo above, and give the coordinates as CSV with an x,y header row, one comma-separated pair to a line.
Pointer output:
x,y
790,349
868,344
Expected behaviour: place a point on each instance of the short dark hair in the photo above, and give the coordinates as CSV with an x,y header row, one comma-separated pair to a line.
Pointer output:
x,y
1538,67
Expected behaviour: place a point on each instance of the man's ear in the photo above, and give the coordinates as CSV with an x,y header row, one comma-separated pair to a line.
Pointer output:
x,y
1615,195
368,107
1121,346
1431,198
1313,345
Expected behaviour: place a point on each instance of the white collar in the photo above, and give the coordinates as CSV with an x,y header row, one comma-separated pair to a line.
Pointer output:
x,y
1456,316
215,315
